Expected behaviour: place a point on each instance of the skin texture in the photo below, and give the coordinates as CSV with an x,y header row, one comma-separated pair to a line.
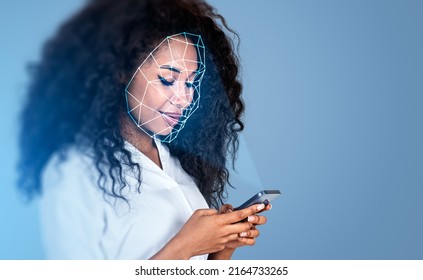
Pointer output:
x,y
163,84
150,98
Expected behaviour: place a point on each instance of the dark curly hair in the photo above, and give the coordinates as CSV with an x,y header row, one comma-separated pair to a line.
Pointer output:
x,y
76,94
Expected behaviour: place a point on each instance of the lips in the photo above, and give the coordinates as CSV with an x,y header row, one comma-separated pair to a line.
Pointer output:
x,y
171,118
173,115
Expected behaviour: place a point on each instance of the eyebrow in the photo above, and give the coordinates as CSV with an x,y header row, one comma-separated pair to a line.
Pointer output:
x,y
170,68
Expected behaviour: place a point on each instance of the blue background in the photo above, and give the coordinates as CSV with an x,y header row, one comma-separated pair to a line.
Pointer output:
x,y
334,95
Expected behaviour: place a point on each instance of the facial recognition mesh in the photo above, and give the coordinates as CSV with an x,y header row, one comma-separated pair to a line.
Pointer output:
x,y
165,89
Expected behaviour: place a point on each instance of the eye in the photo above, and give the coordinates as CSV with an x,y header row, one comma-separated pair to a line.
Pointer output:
x,y
165,82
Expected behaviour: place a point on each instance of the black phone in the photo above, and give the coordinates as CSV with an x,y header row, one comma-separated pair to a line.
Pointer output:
x,y
264,196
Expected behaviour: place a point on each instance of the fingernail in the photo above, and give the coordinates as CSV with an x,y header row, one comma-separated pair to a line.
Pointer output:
x,y
260,207
243,234
251,218
270,207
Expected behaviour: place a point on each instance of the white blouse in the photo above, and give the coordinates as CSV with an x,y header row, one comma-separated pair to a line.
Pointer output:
x,y
78,223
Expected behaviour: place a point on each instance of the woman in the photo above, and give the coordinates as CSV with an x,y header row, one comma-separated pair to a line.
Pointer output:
x,y
130,117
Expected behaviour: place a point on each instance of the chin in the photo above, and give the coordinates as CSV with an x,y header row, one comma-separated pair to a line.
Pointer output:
x,y
164,132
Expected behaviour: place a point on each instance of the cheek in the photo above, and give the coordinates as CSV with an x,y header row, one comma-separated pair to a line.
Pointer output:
x,y
191,95
136,91
155,97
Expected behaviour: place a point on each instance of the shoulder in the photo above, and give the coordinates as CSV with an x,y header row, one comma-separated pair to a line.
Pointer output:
x,y
71,207
70,176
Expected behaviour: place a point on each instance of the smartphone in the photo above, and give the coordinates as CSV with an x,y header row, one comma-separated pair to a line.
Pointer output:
x,y
264,196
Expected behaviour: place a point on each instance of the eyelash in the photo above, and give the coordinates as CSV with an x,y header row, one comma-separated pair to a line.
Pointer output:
x,y
167,83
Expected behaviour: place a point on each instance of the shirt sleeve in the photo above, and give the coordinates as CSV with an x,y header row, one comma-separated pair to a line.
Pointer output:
x,y
72,211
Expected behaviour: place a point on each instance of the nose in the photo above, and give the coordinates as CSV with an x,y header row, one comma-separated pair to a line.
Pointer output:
x,y
183,95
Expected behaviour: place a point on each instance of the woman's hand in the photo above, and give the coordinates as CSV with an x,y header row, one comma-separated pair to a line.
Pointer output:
x,y
245,238
207,231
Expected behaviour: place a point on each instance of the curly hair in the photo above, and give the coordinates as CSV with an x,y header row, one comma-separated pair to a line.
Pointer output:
x,y
76,94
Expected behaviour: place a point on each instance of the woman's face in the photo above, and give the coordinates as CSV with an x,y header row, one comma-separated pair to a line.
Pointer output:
x,y
163,86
